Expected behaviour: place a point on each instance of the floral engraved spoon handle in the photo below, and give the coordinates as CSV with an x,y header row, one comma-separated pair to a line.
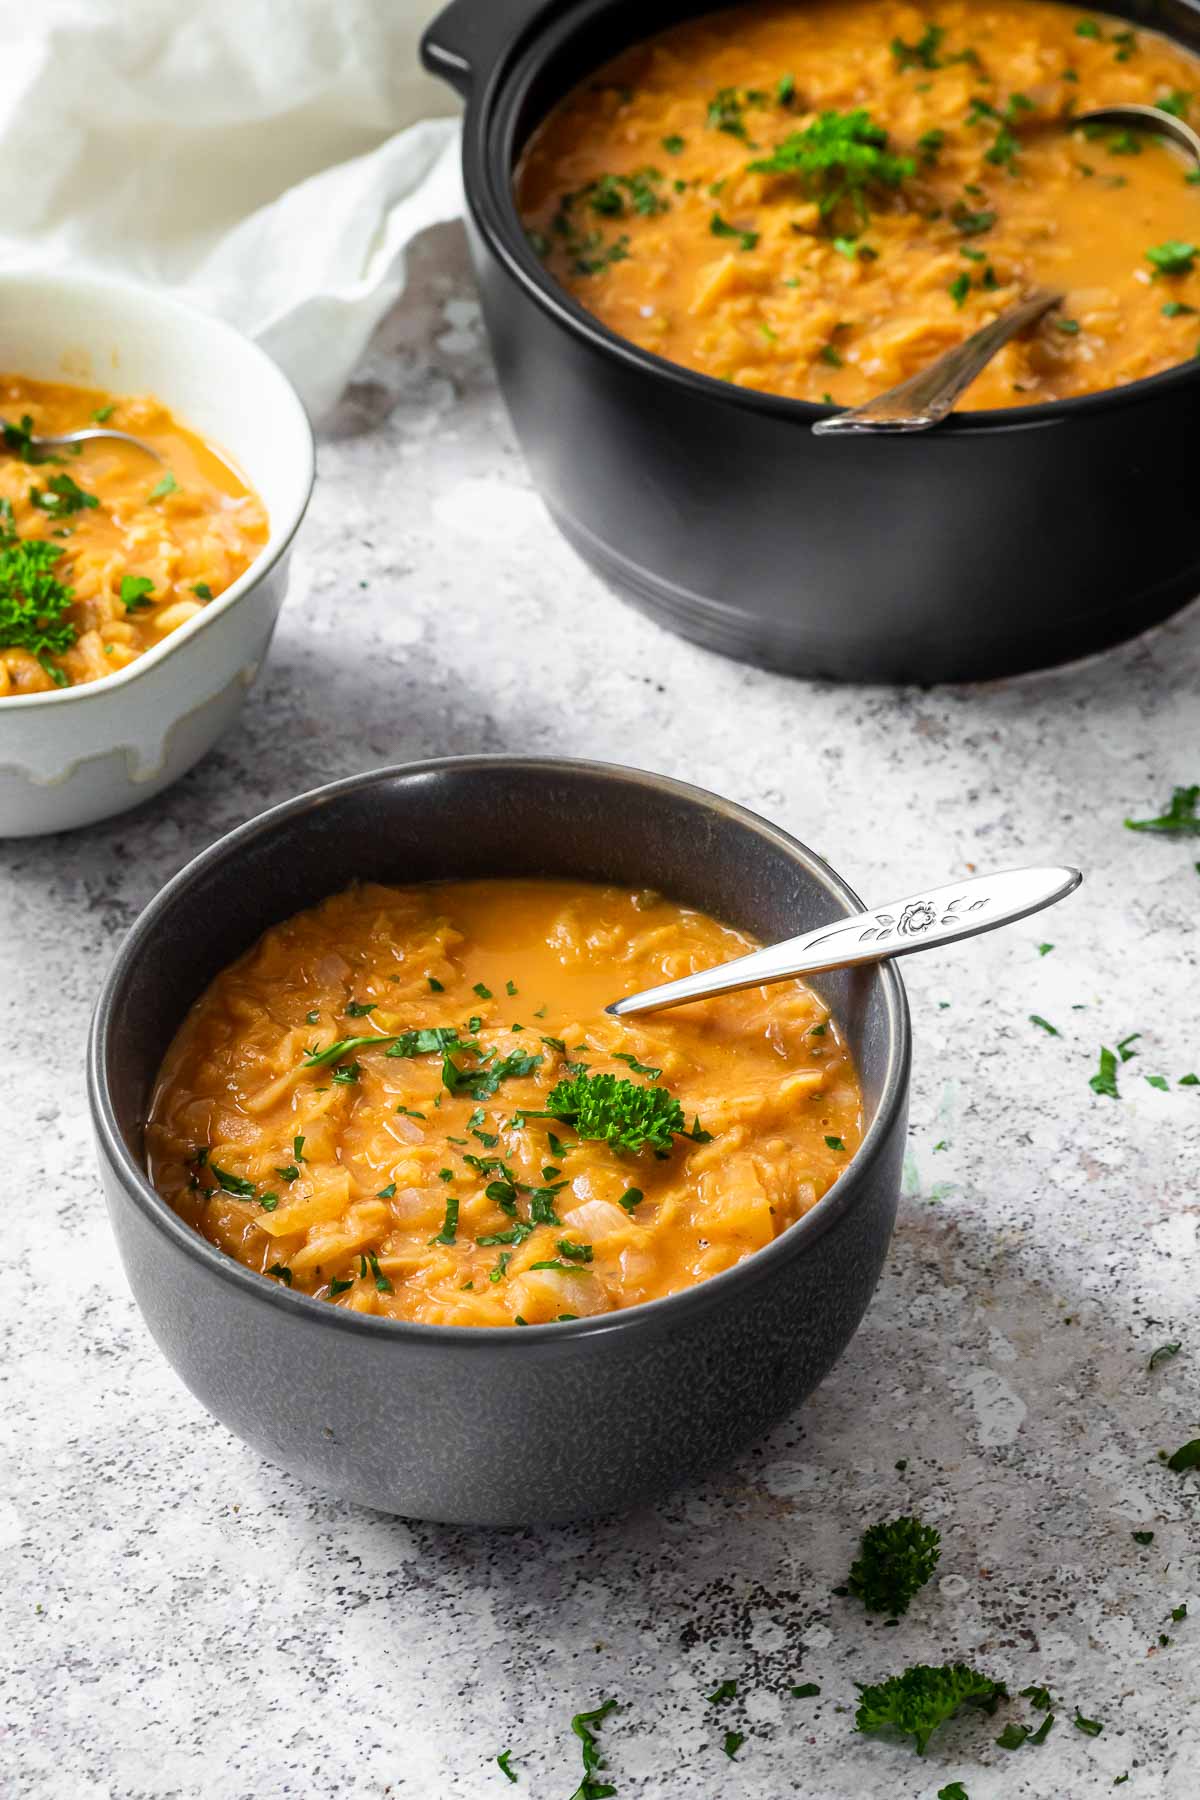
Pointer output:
x,y
921,922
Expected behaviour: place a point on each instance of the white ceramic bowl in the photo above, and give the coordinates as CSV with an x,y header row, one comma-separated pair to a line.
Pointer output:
x,y
81,754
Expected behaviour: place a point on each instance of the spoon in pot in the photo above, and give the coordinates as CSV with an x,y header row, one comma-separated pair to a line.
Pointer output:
x,y
924,399
17,439
922,922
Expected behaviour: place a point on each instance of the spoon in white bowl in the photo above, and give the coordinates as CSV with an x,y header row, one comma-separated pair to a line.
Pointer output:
x,y
921,922
926,398
16,438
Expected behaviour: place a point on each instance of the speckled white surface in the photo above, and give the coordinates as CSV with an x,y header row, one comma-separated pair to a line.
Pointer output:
x,y
183,1620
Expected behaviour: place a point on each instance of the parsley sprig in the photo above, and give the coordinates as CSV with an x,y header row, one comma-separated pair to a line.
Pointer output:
x,y
842,158
619,1112
916,1702
33,602
896,1559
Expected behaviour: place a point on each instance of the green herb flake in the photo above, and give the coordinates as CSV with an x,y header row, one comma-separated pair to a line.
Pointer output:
x,y
62,496
1044,949
1173,257
168,485
631,1198
1089,1727
1013,1736
103,414
834,1143
1180,1612
1186,1457
1069,327
485,993
1038,1696
502,1762
720,227
1088,28
1044,1729
1044,1025
381,1281
959,288
732,1742
726,1691
807,1690
135,592
233,1184
388,1192
1104,1081
953,1790
1123,1050
924,53
281,1272
339,1287
638,1068
1180,818
584,1725
1164,1353
358,1009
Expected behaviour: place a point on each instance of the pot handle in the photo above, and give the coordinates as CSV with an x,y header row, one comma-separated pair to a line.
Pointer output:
x,y
468,37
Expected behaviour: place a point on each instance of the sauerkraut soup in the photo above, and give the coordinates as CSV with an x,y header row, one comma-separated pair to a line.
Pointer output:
x,y
410,1102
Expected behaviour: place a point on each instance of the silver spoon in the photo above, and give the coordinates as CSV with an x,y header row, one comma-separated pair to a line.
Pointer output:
x,y
922,922
924,399
83,436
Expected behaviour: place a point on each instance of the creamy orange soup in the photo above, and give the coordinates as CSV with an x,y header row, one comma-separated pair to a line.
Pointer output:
x,y
697,195
105,551
358,1107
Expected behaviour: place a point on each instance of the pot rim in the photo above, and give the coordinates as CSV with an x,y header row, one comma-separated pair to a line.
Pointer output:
x,y
845,1193
489,121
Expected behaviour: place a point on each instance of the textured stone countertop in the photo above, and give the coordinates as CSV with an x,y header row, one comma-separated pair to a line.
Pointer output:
x,y
182,1619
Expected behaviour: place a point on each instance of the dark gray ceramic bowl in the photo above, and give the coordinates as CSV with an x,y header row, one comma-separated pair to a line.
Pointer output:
x,y
498,1427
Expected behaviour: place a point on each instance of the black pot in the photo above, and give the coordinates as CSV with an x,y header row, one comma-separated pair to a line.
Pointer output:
x,y
486,1426
1001,541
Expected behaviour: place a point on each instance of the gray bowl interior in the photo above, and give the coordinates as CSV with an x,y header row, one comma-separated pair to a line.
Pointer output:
x,y
471,817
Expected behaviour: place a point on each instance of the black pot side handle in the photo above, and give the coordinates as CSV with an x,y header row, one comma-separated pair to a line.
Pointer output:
x,y
468,37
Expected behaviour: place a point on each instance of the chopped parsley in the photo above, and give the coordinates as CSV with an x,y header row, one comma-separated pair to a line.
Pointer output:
x,y
485,993
1044,949
930,144
953,1790
584,1726
1104,1081
289,1172
619,1112
1164,1353
339,1287
726,1691
62,495
1186,1457
160,490
1069,327
1173,257
720,227
971,224
732,1743
1176,102
430,1040
19,439
1180,818
924,1697
135,592
298,1149
807,1690
33,602
502,1763
347,1074
102,414
579,1253
924,53
202,590
637,1067
1088,28
448,1233
608,194
673,144
727,108
1089,1727
1175,309
281,1272
233,1184
631,1198
896,1559
842,157
388,1192
381,1281
959,288
1160,1082
1142,1537
437,987
1013,1736
358,1009
1044,1025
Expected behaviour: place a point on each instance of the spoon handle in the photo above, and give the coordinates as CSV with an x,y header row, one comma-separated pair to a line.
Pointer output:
x,y
926,397
921,922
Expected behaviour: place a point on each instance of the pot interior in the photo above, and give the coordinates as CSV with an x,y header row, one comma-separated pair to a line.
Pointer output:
x,y
474,818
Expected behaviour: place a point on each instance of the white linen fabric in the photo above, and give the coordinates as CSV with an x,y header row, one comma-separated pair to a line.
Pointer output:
x,y
268,160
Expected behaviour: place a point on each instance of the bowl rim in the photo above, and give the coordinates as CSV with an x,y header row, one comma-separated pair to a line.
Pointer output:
x,y
280,536
490,196
845,1193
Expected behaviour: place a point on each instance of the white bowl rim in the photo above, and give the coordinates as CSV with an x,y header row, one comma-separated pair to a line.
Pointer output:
x,y
280,538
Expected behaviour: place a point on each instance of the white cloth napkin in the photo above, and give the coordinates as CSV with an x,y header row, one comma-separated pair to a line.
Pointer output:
x,y
269,160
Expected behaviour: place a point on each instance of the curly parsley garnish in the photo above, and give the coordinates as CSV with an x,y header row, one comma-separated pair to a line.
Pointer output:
x,y
895,1560
33,601
842,157
619,1112
924,1697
